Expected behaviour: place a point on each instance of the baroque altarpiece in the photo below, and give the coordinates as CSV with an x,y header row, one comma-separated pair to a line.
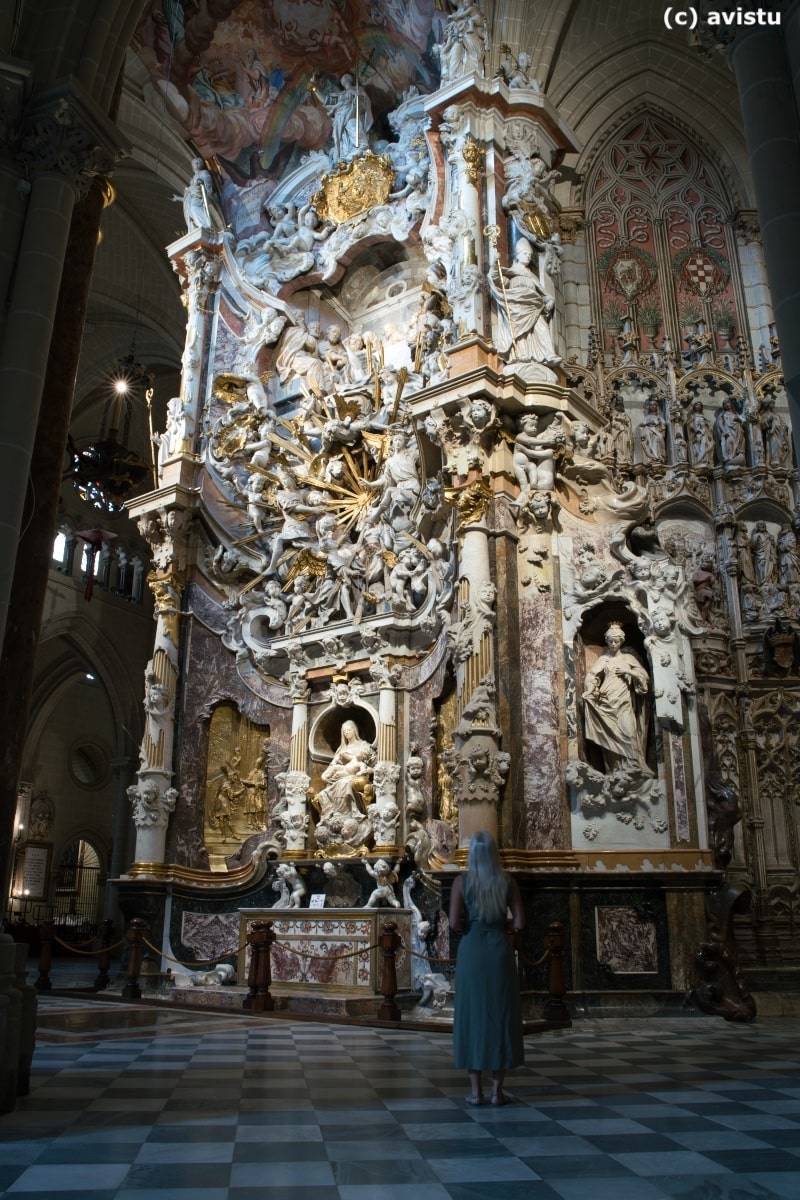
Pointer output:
x,y
476,510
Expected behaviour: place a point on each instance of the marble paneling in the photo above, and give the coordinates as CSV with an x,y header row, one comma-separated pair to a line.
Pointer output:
x,y
626,941
543,815
210,935
336,951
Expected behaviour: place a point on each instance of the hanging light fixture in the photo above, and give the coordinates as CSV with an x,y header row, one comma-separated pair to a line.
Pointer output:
x,y
105,471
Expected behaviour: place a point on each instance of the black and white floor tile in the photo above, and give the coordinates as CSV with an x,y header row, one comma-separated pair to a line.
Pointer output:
x,y
143,1104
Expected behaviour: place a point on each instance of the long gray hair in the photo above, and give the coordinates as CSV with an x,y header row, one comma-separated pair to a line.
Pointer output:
x,y
486,884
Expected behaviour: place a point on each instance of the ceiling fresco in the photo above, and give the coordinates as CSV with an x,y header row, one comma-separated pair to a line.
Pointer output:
x,y
248,79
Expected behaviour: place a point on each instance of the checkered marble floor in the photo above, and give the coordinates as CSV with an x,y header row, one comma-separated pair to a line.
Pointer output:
x,y
143,1104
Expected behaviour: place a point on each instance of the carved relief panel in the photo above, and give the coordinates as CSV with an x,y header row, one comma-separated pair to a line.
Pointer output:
x,y
236,783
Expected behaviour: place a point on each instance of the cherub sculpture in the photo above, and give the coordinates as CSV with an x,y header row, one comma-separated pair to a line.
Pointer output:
x,y
291,887
386,878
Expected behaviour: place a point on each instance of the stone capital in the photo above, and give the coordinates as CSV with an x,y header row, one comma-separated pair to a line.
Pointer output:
x,y
63,132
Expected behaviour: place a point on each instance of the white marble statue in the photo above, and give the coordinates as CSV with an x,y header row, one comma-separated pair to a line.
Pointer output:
x,y
524,310
386,878
614,710
221,974
350,110
398,483
348,781
291,887
529,183
296,511
196,198
465,45
533,457
175,433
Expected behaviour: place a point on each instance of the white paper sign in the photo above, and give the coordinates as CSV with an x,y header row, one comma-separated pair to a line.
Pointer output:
x,y
34,871
317,900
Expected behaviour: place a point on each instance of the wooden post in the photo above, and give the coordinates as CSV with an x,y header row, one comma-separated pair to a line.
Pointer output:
x,y
260,938
46,935
104,958
135,937
555,1009
389,941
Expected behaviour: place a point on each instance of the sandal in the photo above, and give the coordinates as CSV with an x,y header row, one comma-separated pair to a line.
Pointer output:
x,y
473,1100
500,1099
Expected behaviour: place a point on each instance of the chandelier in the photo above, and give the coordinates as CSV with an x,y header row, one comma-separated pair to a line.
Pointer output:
x,y
104,470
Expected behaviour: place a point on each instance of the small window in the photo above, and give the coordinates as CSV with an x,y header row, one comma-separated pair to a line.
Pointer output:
x,y
85,561
59,549
88,765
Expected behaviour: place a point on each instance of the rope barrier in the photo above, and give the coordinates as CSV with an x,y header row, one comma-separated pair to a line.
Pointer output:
x,y
89,953
199,962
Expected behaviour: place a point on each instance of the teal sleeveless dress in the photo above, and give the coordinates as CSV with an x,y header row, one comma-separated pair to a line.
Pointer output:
x,y
487,1030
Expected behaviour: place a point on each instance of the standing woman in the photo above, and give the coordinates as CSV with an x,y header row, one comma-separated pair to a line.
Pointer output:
x,y
487,1031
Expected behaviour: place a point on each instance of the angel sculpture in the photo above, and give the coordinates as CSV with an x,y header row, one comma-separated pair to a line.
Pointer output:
x,y
385,878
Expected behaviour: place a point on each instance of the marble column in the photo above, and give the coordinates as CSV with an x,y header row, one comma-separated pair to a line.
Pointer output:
x,y
480,765
153,797
386,775
295,782
772,133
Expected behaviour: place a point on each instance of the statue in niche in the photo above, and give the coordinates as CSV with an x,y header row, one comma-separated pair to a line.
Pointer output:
x,y
40,817
615,715
617,437
465,44
744,558
763,554
729,435
342,803
777,440
386,877
524,309
652,434
788,562
530,184
350,110
704,579
701,442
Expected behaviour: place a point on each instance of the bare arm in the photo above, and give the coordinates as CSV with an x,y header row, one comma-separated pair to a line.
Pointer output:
x,y
458,912
515,904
